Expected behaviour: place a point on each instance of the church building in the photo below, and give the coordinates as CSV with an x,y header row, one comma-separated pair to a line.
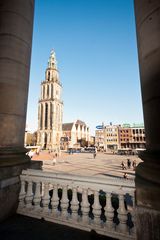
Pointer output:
x,y
50,108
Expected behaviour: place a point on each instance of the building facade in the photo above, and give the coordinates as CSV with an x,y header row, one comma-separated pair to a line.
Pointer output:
x,y
125,136
76,133
99,139
132,137
107,138
111,137
50,108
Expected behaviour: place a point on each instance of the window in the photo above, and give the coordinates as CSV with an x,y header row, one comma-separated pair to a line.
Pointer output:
x,y
48,78
47,90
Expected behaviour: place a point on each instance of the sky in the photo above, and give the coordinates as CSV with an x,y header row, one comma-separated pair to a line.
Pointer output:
x,y
95,45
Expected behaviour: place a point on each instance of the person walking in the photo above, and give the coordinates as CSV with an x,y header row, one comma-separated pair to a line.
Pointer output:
x,y
129,163
54,161
125,175
134,165
123,165
95,153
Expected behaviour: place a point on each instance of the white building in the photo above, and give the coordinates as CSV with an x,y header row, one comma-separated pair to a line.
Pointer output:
x,y
76,132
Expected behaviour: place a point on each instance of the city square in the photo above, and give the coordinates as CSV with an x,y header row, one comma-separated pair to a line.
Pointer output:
x,y
84,164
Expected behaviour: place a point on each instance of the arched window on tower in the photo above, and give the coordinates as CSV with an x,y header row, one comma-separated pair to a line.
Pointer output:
x,y
48,91
45,140
48,77
46,115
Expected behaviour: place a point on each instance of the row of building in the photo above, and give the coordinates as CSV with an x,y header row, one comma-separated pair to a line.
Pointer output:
x,y
125,136
110,137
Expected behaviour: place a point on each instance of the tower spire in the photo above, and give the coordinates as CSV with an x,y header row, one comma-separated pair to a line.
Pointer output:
x,y
52,63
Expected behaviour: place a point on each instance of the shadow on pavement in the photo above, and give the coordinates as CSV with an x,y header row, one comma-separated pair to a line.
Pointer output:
x,y
20,227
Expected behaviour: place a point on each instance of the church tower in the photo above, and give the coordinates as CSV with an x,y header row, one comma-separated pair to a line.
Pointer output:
x,y
50,108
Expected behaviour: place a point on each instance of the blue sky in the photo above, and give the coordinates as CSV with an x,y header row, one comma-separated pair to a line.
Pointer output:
x,y
95,45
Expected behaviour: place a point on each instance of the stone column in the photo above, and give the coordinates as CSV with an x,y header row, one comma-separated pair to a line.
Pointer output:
x,y
147,174
50,90
48,127
16,25
45,91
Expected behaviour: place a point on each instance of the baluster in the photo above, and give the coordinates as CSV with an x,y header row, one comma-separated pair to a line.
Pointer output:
x,y
109,211
37,197
22,195
55,201
46,199
74,204
96,208
122,215
85,206
29,196
133,200
64,202
133,214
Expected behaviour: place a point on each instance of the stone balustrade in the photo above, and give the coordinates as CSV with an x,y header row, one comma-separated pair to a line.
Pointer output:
x,y
105,205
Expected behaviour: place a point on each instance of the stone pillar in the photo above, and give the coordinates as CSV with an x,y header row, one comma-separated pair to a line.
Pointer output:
x,y
50,90
48,127
147,174
16,24
45,91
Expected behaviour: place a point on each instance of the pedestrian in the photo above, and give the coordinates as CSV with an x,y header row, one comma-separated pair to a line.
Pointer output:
x,y
54,161
134,165
128,163
125,175
95,153
123,165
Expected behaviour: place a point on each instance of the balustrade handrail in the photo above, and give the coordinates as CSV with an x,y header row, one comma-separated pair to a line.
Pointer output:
x,y
103,204
111,184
